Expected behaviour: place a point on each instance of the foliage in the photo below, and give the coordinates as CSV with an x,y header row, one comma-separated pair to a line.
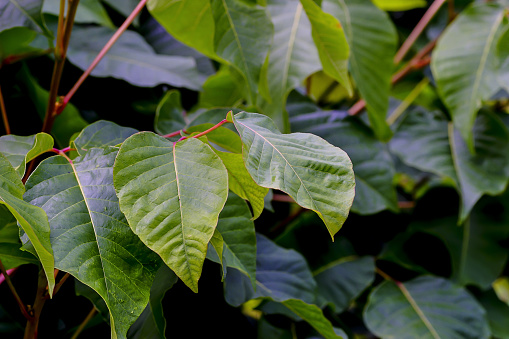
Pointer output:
x,y
196,172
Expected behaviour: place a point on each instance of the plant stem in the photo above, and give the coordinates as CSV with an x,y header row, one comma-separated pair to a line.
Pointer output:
x,y
63,37
18,57
385,275
4,114
172,134
13,290
60,283
407,101
421,25
222,122
89,317
31,329
451,11
102,53
9,273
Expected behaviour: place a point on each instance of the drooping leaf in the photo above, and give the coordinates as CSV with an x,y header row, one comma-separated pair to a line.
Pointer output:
x,y
222,89
32,219
372,39
169,114
89,234
100,134
476,250
243,35
89,11
314,173
171,194
26,13
372,163
342,281
425,307
130,59
217,243
497,313
464,64
21,150
241,183
425,140
10,253
151,324
281,275
239,238
292,57
331,42
191,22
399,5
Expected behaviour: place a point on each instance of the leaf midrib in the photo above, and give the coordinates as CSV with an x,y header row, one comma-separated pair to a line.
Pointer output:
x,y
291,44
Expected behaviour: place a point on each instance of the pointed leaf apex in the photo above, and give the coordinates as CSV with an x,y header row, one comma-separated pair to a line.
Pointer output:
x,y
229,116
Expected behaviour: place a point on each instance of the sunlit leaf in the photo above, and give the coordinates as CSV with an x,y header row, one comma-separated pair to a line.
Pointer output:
x,y
171,194
399,5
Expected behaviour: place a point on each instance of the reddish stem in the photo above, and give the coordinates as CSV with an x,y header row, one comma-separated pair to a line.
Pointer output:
x,y
21,305
4,114
9,273
102,53
172,134
224,121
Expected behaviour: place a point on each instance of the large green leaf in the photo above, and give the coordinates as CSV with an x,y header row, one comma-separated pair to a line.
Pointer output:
x,y
239,238
372,39
426,141
343,280
188,21
169,114
243,35
372,163
222,89
503,58
426,307
497,312
21,150
223,137
314,173
10,246
101,133
171,194
477,254
151,324
292,57
89,11
32,219
89,234
399,5
331,42
130,59
241,183
464,64
16,41
27,13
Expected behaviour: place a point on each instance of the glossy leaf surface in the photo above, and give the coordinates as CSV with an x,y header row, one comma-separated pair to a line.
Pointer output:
x,y
372,39
101,134
331,42
430,307
21,150
90,235
171,212
316,174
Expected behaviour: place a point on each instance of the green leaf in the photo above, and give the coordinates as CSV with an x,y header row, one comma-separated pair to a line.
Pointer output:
x,y
317,175
191,22
124,7
16,41
464,64
313,315
372,39
217,243
497,313
10,251
343,280
130,59
89,11
171,194
21,150
476,250
222,137
372,163
243,35
32,219
221,90
151,324
425,140
331,42
100,134
425,307
292,57
239,238
89,234
399,5
503,59
65,124
27,13
169,114
281,275
241,183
